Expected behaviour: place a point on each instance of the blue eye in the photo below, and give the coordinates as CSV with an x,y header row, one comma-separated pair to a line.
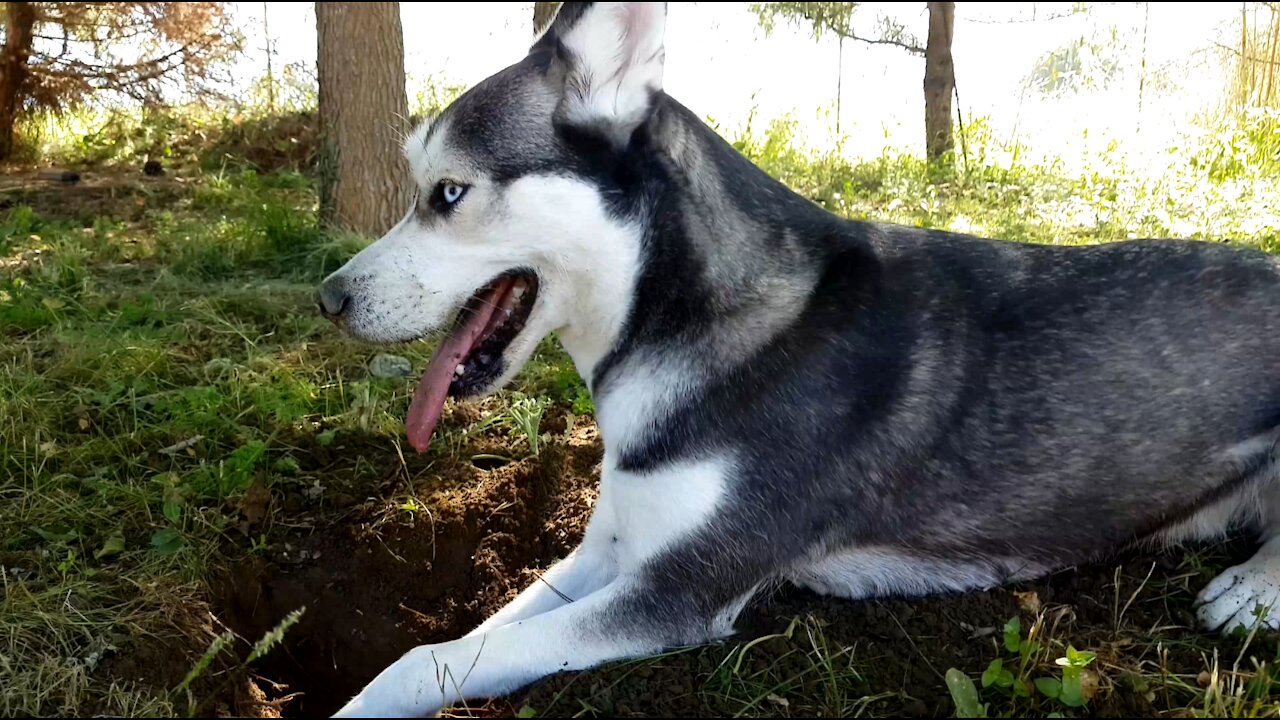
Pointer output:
x,y
446,195
451,192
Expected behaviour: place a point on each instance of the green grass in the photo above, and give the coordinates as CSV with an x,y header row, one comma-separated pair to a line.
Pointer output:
x,y
993,194
159,366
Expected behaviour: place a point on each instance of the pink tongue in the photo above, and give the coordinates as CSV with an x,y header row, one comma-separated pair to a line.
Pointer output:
x,y
428,400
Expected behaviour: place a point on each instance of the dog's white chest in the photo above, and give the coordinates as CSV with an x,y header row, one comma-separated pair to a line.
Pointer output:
x,y
639,514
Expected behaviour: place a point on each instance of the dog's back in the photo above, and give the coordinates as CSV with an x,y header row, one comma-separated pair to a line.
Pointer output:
x,y
1086,396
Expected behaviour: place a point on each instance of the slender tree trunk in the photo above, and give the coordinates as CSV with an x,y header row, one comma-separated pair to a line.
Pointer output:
x,y
543,14
364,184
839,79
271,77
1244,85
1142,76
19,26
1271,63
939,80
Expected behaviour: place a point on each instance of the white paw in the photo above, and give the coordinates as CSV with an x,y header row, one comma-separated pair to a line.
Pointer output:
x,y
1242,597
408,688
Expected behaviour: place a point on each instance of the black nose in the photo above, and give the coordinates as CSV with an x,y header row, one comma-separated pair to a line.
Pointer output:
x,y
333,298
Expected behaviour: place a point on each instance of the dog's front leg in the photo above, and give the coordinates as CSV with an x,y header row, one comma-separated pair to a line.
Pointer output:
x,y
633,616
587,569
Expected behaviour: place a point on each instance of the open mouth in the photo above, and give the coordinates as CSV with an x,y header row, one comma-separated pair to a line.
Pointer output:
x,y
472,357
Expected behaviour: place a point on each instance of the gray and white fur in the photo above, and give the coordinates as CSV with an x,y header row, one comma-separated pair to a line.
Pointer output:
x,y
785,395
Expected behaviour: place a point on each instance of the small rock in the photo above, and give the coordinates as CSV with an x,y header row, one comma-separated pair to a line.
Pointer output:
x,y
915,708
343,500
1089,682
390,366
70,177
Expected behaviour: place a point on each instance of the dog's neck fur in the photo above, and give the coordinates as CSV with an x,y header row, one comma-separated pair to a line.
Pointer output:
x,y
727,258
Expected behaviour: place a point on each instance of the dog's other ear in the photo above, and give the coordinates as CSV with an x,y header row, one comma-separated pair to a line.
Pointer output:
x,y
611,55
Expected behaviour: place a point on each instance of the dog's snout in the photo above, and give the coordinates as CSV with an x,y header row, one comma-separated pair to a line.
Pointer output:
x,y
333,298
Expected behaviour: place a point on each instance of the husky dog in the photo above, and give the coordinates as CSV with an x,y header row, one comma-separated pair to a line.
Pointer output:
x,y
785,395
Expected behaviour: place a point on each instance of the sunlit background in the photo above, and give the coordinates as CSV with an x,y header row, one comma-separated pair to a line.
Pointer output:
x,y
1142,74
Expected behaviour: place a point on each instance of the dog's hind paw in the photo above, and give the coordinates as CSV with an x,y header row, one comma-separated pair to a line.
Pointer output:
x,y
1244,596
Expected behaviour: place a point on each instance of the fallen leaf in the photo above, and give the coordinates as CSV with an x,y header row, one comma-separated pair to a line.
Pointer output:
x,y
314,492
113,546
174,498
390,366
777,700
167,541
83,423
181,445
1028,601
255,503
57,537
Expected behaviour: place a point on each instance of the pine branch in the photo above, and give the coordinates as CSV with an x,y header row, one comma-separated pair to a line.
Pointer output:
x,y
909,47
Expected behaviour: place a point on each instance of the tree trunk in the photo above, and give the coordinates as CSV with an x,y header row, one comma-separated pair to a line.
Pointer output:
x,y
543,14
271,76
364,181
20,20
939,80
839,80
1142,74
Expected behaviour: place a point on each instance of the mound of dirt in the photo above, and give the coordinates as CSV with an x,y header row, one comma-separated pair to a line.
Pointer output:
x,y
377,586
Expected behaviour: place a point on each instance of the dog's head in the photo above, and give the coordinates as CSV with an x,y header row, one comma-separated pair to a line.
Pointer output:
x,y
524,220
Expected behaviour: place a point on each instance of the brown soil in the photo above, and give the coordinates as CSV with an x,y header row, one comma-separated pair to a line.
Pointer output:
x,y
121,193
376,582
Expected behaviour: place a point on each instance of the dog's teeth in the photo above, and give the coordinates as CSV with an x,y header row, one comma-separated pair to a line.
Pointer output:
x,y
518,292
459,370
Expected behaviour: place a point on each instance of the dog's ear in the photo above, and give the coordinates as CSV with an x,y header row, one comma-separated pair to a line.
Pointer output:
x,y
611,56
